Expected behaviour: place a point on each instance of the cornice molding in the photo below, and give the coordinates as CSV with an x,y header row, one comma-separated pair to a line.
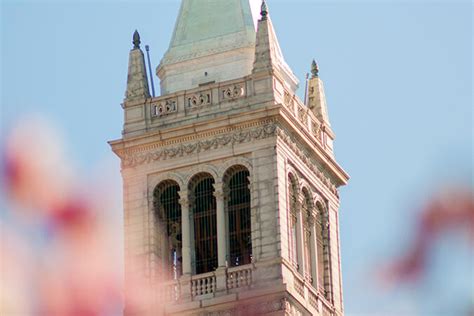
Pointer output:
x,y
147,154
165,150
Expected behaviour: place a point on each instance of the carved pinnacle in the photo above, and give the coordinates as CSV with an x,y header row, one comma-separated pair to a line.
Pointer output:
x,y
264,10
315,69
136,40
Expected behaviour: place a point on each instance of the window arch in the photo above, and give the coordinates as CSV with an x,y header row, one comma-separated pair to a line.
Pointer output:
x,y
236,181
322,232
167,213
203,206
293,218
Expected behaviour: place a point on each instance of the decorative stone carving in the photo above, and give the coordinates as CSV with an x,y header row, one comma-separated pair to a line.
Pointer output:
x,y
289,102
240,136
303,115
219,194
233,92
316,130
304,156
131,159
164,107
184,201
199,99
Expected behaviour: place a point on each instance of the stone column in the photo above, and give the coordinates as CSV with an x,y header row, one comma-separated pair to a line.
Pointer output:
x,y
221,227
221,272
185,232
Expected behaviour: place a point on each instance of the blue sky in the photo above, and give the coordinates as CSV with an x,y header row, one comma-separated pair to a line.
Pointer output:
x,y
398,78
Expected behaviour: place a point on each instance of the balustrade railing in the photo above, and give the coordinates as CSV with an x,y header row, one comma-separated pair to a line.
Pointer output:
x,y
313,299
196,100
239,277
304,115
203,284
299,286
164,107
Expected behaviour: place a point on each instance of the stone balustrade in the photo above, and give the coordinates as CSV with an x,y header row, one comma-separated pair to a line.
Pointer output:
x,y
218,97
314,298
203,284
161,108
239,277
299,286
305,116
206,284
200,99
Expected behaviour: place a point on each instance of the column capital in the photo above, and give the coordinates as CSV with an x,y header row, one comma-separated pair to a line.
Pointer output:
x,y
218,185
219,194
219,190
183,193
183,198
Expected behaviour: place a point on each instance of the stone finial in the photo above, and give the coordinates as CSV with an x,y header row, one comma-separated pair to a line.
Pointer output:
x,y
264,10
315,69
136,40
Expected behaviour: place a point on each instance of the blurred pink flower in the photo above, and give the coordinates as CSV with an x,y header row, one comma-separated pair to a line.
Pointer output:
x,y
36,173
450,210
73,271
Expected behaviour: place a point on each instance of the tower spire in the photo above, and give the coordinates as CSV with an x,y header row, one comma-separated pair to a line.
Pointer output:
x,y
316,95
137,83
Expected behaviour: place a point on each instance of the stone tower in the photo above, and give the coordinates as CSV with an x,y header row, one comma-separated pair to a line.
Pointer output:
x,y
230,181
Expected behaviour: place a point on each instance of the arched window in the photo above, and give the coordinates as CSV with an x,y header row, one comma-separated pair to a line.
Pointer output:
x,y
167,212
203,205
307,254
293,219
322,231
237,183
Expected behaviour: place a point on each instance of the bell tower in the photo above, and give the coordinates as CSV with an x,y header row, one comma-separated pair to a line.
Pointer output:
x,y
230,183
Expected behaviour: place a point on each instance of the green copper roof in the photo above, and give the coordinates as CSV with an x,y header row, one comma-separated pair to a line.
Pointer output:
x,y
205,27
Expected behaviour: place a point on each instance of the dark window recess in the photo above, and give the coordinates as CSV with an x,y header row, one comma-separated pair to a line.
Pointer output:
x,y
239,219
168,217
205,226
